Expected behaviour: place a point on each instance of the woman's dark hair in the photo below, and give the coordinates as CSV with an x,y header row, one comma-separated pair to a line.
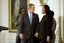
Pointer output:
x,y
47,8
48,11
21,9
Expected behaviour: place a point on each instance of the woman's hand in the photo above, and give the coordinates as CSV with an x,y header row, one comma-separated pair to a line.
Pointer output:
x,y
48,39
36,34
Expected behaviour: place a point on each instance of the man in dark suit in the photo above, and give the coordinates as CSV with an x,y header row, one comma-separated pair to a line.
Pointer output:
x,y
45,31
29,25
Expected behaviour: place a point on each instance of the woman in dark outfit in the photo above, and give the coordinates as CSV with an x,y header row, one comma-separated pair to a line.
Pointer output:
x,y
18,23
45,32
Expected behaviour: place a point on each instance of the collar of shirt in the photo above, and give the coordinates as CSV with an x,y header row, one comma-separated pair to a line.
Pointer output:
x,y
29,14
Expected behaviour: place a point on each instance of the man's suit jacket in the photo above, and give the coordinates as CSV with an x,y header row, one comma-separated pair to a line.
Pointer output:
x,y
45,28
27,29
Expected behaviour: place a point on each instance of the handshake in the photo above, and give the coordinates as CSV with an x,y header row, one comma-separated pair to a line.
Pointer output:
x,y
22,35
36,35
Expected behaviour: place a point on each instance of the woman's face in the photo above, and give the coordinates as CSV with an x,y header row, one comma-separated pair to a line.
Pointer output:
x,y
43,10
23,11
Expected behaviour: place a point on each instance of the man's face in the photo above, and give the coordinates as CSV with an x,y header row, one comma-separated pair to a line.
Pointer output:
x,y
43,10
32,9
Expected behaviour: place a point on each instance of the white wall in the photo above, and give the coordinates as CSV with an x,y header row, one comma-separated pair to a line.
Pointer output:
x,y
4,13
62,19
0,12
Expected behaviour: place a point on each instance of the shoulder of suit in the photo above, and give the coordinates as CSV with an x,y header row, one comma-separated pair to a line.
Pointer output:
x,y
35,14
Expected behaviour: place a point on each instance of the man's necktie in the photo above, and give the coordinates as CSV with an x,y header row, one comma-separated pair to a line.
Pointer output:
x,y
30,19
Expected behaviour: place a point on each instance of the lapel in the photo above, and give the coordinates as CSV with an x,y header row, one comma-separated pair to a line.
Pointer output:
x,y
43,19
28,19
32,18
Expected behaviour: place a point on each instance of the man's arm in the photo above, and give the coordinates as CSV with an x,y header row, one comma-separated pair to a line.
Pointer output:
x,y
37,23
49,29
37,26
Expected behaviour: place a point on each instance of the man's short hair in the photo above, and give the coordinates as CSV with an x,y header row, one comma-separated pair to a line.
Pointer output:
x,y
30,5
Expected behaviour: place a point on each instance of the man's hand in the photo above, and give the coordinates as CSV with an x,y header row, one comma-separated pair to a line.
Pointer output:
x,y
21,36
48,39
36,34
